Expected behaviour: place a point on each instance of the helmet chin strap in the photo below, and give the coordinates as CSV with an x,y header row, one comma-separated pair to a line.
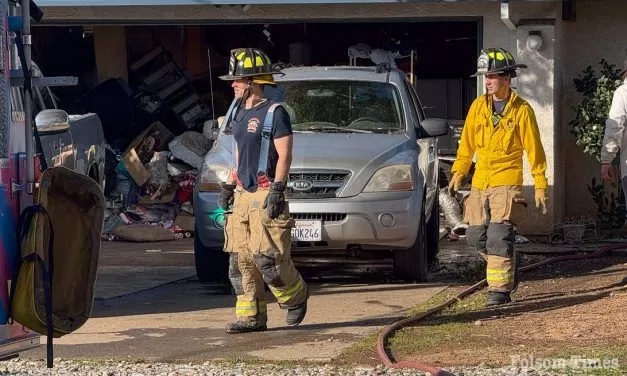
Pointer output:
x,y
245,95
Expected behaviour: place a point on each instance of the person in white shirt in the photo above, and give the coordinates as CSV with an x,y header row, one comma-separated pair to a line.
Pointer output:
x,y
615,138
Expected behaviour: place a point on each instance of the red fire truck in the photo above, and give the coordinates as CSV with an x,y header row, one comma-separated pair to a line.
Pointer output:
x,y
26,144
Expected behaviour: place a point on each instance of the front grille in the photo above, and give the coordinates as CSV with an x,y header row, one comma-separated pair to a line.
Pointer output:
x,y
324,217
316,184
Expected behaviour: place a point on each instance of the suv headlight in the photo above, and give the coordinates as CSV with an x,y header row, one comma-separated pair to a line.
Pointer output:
x,y
211,176
390,179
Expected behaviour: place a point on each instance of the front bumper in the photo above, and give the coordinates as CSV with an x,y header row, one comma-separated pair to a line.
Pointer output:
x,y
351,221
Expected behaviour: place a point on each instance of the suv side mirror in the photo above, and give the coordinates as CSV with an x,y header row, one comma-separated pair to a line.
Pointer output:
x,y
432,127
52,122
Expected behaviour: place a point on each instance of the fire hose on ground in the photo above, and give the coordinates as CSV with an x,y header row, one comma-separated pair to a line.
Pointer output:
x,y
436,371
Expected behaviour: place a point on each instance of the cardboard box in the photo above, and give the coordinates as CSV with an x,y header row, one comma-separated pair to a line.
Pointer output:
x,y
135,168
130,159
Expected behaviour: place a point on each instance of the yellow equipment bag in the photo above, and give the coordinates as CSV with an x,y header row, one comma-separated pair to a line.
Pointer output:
x,y
53,291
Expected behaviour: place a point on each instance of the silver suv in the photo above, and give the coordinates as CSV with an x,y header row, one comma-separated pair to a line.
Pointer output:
x,y
364,171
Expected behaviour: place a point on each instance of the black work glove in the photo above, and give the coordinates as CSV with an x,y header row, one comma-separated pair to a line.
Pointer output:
x,y
226,195
275,201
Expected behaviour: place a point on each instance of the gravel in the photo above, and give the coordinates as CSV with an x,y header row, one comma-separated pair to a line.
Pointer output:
x,y
23,367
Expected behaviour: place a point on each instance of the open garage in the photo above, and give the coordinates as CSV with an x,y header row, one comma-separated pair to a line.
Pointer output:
x,y
116,34
136,76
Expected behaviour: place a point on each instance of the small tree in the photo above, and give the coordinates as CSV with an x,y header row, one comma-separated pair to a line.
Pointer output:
x,y
588,127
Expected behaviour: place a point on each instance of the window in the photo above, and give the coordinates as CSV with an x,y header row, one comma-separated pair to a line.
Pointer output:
x,y
416,109
342,106
414,97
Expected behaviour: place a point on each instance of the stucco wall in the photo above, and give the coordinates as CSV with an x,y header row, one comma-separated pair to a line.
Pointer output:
x,y
536,83
597,33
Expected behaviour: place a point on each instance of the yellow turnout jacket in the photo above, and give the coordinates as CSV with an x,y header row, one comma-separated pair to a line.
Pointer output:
x,y
500,148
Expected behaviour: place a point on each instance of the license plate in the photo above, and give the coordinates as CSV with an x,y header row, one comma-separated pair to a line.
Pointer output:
x,y
307,231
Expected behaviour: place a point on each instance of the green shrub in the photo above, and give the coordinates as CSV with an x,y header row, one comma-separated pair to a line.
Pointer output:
x,y
588,127
591,112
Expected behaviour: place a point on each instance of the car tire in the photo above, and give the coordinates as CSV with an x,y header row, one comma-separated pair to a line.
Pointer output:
x,y
433,233
411,264
212,264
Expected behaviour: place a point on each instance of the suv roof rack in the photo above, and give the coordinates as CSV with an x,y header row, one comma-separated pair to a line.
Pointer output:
x,y
383,67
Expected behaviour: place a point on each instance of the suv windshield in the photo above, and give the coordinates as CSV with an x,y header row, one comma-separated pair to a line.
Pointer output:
x,y
341,106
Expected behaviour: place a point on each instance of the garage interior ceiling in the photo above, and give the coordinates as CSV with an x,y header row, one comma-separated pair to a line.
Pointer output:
x,y
445,49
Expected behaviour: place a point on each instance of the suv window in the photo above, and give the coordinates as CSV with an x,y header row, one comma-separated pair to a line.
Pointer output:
x,y
416,100
342,106
416,109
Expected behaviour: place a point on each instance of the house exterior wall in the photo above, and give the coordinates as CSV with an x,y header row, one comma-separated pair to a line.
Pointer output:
x,y
536,84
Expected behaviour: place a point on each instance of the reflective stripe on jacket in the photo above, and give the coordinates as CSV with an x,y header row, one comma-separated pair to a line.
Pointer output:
x,y
500,148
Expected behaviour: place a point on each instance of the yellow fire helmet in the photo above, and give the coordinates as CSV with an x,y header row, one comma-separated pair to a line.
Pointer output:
x,y
496,60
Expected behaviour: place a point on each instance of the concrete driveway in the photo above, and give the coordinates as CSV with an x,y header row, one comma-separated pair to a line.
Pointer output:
x,y
149,306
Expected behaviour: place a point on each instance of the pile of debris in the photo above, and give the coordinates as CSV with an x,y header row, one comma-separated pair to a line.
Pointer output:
x,y
151,198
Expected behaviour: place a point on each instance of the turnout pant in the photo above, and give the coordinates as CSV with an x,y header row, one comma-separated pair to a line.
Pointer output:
x,y
260,251
491,215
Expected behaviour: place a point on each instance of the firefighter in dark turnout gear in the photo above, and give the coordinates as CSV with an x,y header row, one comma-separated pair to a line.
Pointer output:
x,y
499,127
258,231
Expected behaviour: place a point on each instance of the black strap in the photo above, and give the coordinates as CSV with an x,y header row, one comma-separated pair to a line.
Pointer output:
x,y
29,91
26,218
47,281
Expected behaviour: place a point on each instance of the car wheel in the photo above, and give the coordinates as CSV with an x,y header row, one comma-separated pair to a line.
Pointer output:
x,y
411,264
212,264
433,232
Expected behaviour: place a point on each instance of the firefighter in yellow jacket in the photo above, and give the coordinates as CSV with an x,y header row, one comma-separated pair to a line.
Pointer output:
x,y
258,231
499,126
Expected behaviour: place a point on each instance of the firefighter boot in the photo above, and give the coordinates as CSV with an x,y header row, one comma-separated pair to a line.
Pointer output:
x,y
240,326
296,315
497,298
